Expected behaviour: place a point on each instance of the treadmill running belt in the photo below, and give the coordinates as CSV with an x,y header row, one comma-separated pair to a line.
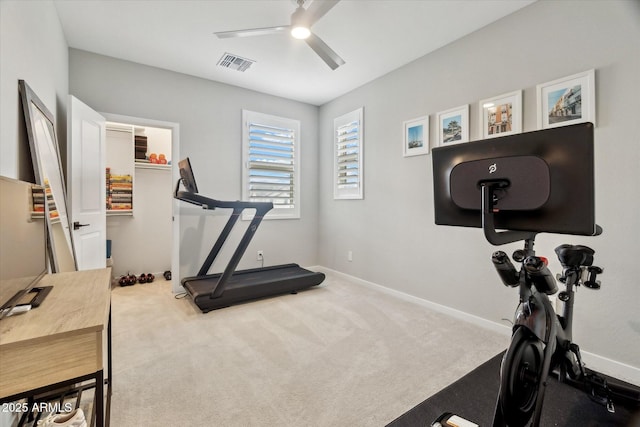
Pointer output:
x,y
250,284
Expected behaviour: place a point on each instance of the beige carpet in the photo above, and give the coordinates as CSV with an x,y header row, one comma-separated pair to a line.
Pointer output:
x,y
341,354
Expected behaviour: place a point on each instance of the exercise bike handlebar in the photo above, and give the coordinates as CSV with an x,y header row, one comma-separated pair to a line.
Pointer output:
x,y
506,270
540,275
535,268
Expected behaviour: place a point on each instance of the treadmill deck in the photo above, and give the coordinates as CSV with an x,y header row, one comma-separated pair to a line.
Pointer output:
x,y
250,284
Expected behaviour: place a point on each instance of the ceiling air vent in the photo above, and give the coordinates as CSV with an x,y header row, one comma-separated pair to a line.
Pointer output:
x,y
234,62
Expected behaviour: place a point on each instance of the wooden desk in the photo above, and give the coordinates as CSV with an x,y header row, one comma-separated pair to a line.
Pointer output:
x,y
61,341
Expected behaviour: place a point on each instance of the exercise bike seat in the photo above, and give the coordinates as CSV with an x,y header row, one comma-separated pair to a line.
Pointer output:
x,y
574,256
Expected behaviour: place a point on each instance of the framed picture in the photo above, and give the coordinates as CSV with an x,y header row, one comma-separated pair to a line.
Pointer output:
x,y
416,137
501,115
453,126
567,101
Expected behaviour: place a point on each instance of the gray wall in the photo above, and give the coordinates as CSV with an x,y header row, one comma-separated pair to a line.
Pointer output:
x,y
392,233
32,48
209,115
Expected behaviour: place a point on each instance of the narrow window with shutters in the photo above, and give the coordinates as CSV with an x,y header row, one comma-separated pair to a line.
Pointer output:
x,y
271,156
348,155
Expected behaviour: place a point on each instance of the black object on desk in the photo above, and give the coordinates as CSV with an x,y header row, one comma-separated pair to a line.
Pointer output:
x,y
41,294
21,297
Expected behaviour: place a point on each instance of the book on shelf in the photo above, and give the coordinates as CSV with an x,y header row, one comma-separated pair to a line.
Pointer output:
x,y
140,148
121,206
119,191
38,198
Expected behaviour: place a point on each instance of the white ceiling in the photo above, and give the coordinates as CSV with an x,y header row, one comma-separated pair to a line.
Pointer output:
x,y
374,37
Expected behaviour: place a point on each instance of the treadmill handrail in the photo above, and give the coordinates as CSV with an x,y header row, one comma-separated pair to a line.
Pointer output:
x,y
211,204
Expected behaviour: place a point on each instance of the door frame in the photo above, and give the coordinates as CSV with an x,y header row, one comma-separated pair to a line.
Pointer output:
x,y
175,175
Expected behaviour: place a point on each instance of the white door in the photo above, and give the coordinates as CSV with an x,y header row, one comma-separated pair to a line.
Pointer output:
x,y
86,176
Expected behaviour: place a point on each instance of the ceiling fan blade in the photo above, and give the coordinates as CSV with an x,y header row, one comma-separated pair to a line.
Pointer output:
x,y
327,54
250,32
318,9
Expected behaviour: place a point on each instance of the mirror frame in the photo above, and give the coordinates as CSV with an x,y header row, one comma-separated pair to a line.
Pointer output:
x,y
32,106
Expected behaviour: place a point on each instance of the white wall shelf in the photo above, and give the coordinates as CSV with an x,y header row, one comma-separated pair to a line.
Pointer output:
x,y
157,166
120,212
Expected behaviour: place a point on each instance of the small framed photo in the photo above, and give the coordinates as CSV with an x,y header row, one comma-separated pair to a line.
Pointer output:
x,y
501,115
453,126
416,137
567,101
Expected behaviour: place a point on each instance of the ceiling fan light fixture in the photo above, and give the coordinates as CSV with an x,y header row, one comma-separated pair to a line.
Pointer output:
x,y
299,25
300,32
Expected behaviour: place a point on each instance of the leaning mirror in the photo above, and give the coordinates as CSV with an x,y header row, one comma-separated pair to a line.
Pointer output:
x,y
47,168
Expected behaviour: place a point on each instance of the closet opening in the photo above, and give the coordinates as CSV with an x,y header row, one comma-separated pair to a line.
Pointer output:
x,y
142,228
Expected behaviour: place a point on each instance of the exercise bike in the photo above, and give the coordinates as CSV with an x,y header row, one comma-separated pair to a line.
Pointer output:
x,y
541,342
525,184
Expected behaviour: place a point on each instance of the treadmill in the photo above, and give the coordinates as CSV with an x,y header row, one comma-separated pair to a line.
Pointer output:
x,y
213,291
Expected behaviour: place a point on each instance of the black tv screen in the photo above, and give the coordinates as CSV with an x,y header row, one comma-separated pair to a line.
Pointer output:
x,y
186,173
545,181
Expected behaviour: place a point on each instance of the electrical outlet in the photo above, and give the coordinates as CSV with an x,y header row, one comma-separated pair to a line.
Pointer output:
x,y
260,256
350,256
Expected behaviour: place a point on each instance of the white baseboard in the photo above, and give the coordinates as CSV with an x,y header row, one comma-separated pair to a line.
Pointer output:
x,y
593,361
613,368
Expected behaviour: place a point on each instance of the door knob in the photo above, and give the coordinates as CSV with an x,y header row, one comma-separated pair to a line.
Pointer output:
x,y
77,225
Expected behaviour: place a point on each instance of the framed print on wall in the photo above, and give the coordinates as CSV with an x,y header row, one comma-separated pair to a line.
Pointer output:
x,y
567,101
416,137
453,126
501,115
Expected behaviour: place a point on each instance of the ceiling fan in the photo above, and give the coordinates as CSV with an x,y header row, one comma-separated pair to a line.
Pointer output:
x,y
301,21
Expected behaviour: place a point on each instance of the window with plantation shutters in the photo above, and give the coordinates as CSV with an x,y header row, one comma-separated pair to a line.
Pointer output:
x,y
271,162
348,155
